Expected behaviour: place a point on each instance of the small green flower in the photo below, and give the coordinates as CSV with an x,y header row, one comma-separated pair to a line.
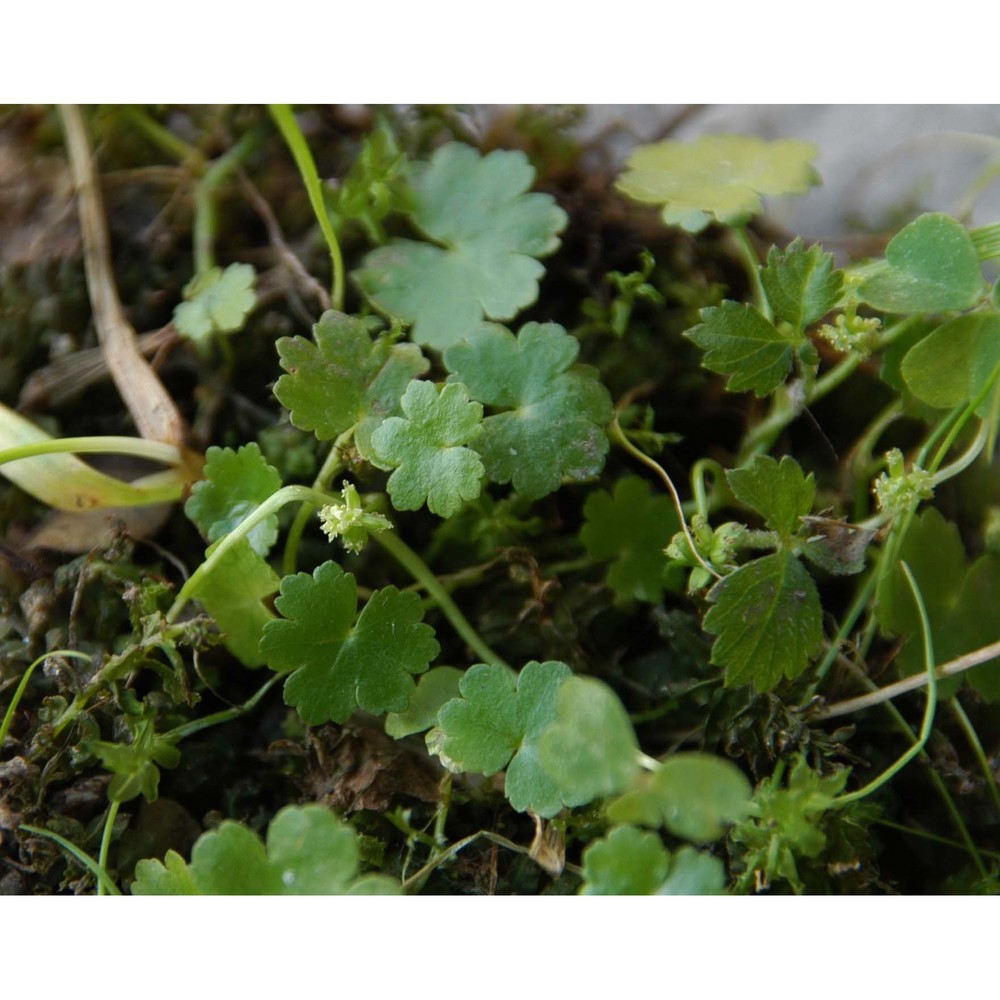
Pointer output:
x,y
897,490
349,522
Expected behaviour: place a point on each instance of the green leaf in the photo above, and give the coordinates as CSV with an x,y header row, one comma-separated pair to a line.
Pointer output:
x,y
802,284
552,412
345,378
953,364
437,686
632,527
497,723
235,484
930,265
134,764
337,665
779,492
768,621
739,342
960,599
590,750
234,595
700,795
309,852
426,449
217,302
490,233
786,823
695,795
717,177
694,874
627,862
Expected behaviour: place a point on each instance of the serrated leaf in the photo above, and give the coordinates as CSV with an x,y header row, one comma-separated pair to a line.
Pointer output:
x,y
718,177
235,484
426,449
802,284
234,595
767,620
953,364
217,302
779,492
552,412
438,686
590,750
309,852
627,862
739,342
490,233
497,723
345,378
931,265
336,665
633,527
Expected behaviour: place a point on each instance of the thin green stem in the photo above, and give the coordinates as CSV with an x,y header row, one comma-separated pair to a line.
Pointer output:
x,y
422,573
443,806
15,700
102,858
282,114
418,877
172,145
155,451
946,841
226,715
287,494
972,737
205,221
332,464
618,436
751,264
855,611
928,722
81,857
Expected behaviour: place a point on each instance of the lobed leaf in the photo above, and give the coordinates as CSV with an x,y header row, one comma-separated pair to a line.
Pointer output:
x,y
216,302
552,412
741,343
309,852
344,378
235,484
779,492
497,723
490,232
438,686
632,527
717,177
767,620
337,665
802,284
590,750
626,862
426,449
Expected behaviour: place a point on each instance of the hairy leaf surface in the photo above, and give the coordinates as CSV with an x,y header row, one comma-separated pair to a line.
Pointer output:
x,y
802,284
741,343
767,620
